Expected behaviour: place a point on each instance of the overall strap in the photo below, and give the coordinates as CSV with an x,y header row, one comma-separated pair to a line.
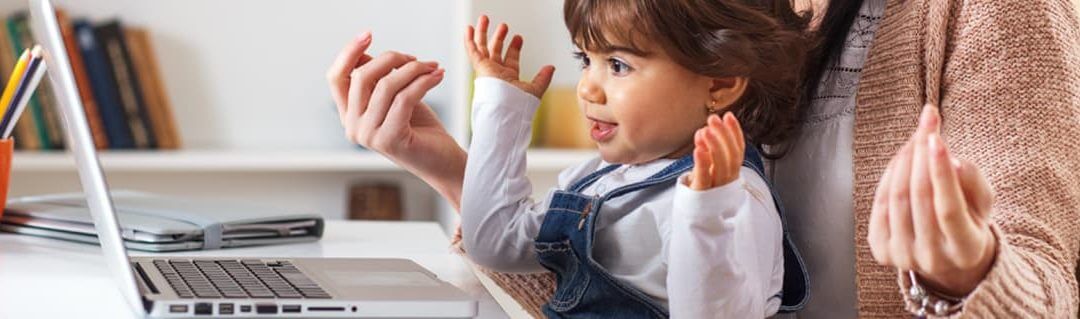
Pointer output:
x,y
669,173
584,182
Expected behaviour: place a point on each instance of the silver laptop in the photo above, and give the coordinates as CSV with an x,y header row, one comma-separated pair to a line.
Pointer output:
x,y
168,287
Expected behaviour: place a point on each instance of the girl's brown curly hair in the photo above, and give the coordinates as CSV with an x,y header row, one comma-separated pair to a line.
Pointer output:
x,y
762,40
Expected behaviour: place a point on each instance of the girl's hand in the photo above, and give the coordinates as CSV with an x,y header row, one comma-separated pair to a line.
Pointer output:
x,y
718,153
379,104
931,214
490,61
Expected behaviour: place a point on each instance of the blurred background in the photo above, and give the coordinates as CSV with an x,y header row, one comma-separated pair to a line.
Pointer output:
x,y
233,102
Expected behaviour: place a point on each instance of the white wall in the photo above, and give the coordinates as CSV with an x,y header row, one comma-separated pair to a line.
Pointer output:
x,y
249,75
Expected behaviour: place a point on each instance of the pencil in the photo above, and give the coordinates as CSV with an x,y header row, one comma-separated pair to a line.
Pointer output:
x,y
22,97
13,81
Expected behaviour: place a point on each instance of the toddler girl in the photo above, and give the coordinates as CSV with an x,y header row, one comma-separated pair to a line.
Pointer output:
x,y
674,217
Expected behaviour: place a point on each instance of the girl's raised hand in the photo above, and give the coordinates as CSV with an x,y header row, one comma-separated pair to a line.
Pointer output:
x,y
718,153
492,62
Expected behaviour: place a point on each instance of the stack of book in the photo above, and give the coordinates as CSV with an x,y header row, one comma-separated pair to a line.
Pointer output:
x,y
118,79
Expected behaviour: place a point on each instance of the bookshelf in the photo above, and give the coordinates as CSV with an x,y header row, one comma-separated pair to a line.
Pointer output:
x,y
246,82
195,161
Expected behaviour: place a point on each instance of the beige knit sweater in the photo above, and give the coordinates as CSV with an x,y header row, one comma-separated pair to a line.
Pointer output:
x,y
1006,74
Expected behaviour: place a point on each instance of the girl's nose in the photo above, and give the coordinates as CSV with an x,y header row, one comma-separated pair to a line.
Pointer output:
x,y
589,91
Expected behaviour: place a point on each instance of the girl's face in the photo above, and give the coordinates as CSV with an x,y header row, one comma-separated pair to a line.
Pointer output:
x,y
641,106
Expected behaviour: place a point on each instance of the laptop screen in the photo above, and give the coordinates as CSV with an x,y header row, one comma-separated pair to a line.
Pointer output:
x,y
45,28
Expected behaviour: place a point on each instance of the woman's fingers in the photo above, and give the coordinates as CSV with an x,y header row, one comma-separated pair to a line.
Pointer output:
x,y
481,36
497,40
370,73
901,230
399,117
926,251
352,112
952,211
878,234
513,53
977,190
340,72
702,163
386,90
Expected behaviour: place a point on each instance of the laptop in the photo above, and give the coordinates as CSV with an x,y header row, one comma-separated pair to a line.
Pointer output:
x,y
179,287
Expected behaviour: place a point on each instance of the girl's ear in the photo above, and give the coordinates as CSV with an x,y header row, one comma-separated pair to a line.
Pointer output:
x,y
725,91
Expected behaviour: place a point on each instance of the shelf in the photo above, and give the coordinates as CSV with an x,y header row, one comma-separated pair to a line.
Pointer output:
x,y
257,161
211,161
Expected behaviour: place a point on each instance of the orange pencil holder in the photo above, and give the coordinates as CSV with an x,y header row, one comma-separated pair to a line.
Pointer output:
x,y
7,149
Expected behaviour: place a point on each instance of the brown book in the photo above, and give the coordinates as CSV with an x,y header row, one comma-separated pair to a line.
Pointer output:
x,y
82,80
25,134
153,89
375,202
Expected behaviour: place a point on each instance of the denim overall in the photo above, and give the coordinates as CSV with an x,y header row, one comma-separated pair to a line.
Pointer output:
x,y
584,289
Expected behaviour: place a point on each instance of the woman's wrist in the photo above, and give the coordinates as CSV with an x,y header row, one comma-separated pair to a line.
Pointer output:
x,y
446,176
962,283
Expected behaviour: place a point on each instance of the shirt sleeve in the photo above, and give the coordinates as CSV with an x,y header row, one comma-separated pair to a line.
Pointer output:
x,y
499,220
724,251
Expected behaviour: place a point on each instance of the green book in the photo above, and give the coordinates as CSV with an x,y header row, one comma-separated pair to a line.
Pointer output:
x,y
15,29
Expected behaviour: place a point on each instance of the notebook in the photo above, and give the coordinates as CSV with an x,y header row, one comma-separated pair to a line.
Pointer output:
x,y
152,222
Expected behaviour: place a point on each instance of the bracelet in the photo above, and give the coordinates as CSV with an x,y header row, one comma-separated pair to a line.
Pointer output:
x,y
941,305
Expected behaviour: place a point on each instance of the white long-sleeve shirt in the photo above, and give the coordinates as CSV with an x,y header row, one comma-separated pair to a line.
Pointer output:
x,y
703,254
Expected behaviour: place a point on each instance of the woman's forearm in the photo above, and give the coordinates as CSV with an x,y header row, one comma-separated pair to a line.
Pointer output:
x,y
445,176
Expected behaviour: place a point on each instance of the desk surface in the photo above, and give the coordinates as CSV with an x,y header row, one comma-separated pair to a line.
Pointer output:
x,y
45,278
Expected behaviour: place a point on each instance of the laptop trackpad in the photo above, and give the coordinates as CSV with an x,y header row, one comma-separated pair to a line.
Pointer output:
x,y
352,278
378,279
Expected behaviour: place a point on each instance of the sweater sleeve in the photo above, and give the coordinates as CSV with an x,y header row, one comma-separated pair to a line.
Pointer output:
x,y
1011,104
725,256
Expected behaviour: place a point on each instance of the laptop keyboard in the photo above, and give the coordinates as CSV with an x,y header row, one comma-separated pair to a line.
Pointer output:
x,y
249,278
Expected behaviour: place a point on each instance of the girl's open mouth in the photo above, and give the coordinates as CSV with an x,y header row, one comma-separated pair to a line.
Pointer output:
x,y
602,131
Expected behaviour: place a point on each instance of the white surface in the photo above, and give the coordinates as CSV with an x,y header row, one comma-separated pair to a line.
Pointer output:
x,y
45,278
260,161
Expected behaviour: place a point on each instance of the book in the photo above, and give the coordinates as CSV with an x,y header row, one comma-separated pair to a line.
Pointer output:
x,y
104,85
82,81
25,133
375,202
47,104
111,37
143,57
15,25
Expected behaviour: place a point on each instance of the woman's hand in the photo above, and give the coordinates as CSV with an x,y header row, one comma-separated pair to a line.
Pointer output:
x,y
718,153
931,214
490,61
379,104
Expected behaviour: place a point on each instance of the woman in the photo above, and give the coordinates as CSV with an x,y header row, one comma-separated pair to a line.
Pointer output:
x,y
1005,76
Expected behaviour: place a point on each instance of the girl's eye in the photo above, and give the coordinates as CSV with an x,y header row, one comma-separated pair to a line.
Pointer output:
x,y
619,67
582,58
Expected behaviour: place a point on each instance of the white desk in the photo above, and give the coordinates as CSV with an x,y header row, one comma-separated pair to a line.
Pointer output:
x,y
45,278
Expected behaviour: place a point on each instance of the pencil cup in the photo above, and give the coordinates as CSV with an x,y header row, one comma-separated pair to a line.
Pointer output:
x,y
7,147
